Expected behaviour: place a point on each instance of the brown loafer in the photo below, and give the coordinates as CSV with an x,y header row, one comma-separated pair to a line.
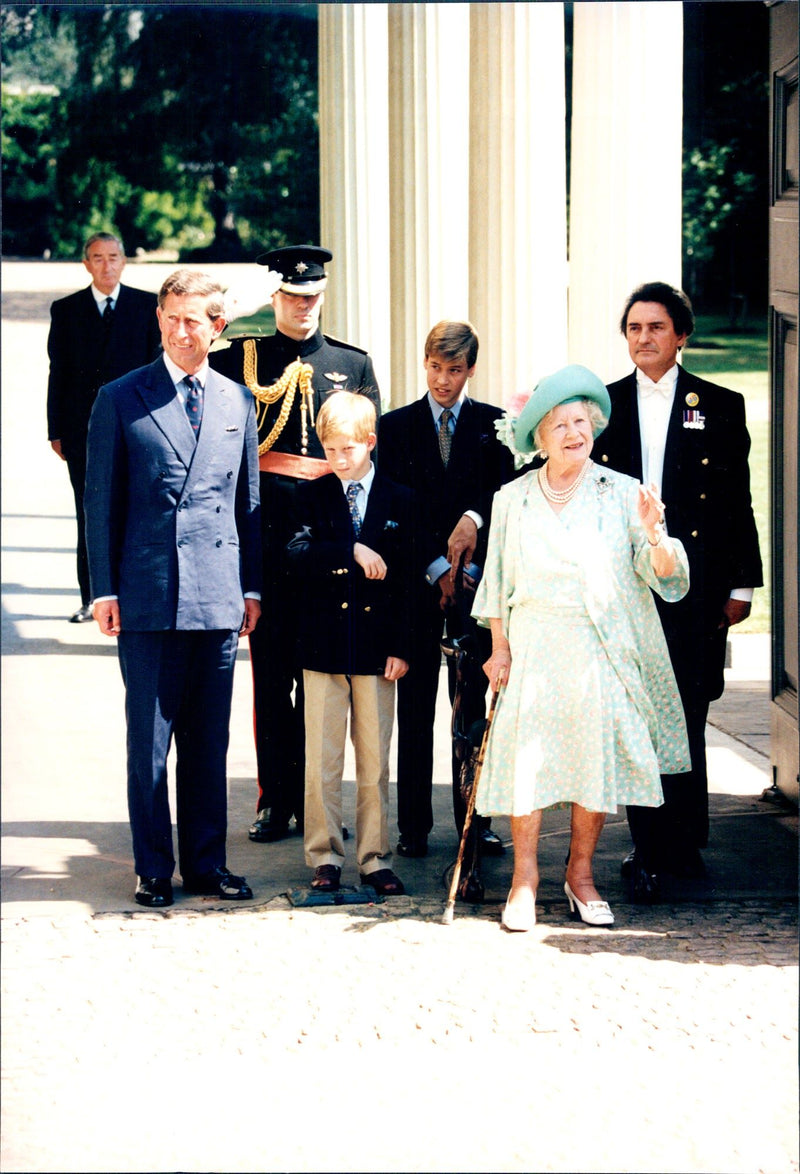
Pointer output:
x,y
384,882
326,877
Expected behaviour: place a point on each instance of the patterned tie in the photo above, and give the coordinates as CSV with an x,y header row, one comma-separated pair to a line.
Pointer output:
x,y
352,494
194,402
108,312
445,436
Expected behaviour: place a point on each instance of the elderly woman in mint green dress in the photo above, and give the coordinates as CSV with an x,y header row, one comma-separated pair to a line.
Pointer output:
x,y
589,712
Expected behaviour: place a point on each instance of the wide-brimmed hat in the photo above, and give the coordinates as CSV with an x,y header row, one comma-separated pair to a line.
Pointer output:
x,y
302,268
565,386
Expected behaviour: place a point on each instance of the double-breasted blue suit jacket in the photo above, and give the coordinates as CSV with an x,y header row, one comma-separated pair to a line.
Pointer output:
x,y
172,523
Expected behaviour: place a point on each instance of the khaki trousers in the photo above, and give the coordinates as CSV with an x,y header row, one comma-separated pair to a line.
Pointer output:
x,y
369,702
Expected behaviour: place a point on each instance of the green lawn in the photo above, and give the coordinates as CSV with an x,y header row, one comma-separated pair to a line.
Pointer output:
x,y
738,359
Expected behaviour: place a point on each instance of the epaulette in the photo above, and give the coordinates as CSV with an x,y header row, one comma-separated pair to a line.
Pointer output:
x,y
346,346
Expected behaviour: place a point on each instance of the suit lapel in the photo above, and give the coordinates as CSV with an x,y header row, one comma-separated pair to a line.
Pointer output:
x,y
167,411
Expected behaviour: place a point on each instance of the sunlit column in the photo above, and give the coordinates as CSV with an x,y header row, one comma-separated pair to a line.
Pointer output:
x,y
517,278
625,198
354,176
429,179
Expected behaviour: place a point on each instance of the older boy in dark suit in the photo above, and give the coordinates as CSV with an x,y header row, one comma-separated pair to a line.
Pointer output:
x,y
444,447
689,438
351,555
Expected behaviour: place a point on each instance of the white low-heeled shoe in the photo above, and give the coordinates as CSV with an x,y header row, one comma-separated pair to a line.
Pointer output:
x,y
517,922
593,913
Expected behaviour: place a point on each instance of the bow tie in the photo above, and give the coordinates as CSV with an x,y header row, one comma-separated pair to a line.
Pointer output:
x,y
663,387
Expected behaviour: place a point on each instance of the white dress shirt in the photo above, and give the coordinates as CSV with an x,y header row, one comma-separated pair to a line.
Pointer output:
x,y
101,298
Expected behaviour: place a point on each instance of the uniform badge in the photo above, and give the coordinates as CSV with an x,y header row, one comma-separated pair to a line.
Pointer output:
x,y
337,378
692,399
693,419
300,267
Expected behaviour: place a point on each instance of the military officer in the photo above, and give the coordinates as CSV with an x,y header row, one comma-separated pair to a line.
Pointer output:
x,y
291,374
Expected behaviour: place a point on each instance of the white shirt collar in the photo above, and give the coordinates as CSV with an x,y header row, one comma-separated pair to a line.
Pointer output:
x,y
177,375
365,482
101,298
669,377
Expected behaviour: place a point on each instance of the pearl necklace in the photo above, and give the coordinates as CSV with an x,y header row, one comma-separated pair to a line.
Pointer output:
x,y
562,496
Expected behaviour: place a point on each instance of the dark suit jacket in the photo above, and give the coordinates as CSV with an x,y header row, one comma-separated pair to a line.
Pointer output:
x,y
408,452
172,523
706,493
351,624
83,356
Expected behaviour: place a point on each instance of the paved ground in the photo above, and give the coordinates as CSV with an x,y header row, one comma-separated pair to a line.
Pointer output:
x,y
368,1038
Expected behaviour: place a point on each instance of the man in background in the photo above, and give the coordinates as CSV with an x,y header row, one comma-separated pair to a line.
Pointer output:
x,y
96,335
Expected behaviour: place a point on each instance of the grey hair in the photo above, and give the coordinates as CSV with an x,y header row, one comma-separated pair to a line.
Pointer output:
x,y
596,418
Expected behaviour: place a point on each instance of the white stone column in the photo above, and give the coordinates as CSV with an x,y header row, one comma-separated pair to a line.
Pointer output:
x,y
354,177
625,197
428,167
517,279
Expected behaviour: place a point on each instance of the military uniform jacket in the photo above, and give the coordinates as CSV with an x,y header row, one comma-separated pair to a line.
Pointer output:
x,y
337,367
348,623
172,523
706,494
408,452
84,354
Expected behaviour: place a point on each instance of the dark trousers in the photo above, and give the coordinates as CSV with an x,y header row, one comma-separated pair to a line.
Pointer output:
x,y
278,700
178,684
75,454
660,833
416,711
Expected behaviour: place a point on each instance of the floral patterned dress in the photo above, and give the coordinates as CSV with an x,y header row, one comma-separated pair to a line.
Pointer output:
x,y
591,713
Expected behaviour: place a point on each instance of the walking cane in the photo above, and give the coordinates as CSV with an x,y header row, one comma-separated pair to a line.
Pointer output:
x,y
447,916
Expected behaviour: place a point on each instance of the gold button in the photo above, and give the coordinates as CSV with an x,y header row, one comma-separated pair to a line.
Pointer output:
x,y
344,605
702,497
604,458
367,609
704,461
694,535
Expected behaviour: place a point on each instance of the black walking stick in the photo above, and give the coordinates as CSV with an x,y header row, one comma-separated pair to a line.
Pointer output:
x,y
447,916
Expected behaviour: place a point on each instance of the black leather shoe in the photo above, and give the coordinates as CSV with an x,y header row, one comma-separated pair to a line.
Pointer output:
x,y
268,827
489,843
218,883
153,892
645,886
412,847
82,615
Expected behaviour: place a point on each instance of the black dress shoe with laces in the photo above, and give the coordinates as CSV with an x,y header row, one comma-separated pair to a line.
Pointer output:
x,y
218,883
412,847
154,892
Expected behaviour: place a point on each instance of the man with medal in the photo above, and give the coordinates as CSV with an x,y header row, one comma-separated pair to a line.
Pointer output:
x,y
688,439
291,374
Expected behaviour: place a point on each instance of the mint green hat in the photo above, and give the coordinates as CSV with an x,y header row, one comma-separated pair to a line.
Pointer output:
x,y
566,386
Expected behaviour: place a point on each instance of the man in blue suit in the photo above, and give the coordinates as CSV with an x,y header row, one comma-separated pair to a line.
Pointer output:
x,y
173,533
97,334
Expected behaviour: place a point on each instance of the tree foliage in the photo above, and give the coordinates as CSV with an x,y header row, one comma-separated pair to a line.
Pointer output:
x,y
178,126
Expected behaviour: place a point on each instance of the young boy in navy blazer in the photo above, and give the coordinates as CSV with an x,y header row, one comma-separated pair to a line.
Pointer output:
x,y
351,555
